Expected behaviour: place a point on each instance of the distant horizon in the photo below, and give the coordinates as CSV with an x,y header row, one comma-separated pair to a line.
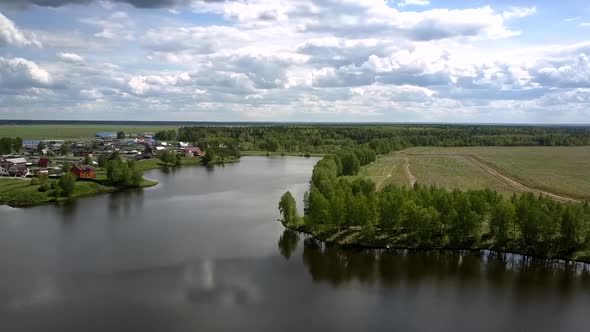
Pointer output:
x,y
163,122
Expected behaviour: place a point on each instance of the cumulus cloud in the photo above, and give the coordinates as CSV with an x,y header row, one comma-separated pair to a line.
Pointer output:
x,y
116,26
70,58
321,60
404,3
18,73
59,3
10,35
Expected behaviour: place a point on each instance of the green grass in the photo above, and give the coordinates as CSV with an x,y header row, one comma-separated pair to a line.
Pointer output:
x,y
70,131
386,170
563,170
21,192
454,172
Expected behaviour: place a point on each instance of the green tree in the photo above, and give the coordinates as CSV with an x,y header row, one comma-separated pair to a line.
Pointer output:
x,y
17,144
209,157
102,160
67,183
503,215
88,160
120,135
288,208
350,163
66,167
64,150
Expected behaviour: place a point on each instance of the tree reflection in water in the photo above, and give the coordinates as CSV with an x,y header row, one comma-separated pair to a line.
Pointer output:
x,y
338,266
288,243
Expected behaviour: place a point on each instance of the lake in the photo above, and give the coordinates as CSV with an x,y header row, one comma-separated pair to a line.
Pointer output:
x,y
204,251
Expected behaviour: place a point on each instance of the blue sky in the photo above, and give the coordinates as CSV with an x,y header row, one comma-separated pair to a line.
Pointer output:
x,y
296,60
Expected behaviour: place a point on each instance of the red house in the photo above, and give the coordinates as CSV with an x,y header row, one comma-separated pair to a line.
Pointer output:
x,y
193,150
44,162
84,172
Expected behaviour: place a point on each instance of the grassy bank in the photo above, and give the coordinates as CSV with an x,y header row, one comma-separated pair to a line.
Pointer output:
x,y
378,239
21,192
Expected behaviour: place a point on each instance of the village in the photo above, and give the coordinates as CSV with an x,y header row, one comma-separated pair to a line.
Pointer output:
x,y
54,157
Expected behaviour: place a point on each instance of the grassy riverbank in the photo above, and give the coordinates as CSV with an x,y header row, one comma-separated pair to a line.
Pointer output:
x,y
380,239
22,192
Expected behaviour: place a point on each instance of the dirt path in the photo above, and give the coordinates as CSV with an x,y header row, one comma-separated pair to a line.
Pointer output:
x,y
512,182
388,175
409,174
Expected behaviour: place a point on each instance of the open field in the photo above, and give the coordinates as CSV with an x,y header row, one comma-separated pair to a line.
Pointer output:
x,y
70,131
560,172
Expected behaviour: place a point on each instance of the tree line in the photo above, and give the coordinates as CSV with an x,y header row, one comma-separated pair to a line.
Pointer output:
x,y
9,145
381,138
432,217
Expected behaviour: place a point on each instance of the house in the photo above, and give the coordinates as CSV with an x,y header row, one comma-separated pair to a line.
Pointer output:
x,y
15,161
44,162
182,144
193,151
31,144
84,172
106,135
18,170
3,171
159,150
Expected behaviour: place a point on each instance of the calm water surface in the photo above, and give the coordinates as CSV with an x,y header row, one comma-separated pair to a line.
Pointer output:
x,y
203,251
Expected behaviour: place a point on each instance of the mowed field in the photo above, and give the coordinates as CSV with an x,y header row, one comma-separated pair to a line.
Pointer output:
x,y
562,171
70,131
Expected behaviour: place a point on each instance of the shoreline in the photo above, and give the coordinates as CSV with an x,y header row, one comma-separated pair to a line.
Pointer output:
x,y
95,187
104,188
326,237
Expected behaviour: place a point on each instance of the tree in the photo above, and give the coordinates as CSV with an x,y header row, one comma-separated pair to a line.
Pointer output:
x,y
17,144
66,167
288,208
209,157
67,183
120,135
136,178
503,215
41,146
64,150
102,160
350,163
88,160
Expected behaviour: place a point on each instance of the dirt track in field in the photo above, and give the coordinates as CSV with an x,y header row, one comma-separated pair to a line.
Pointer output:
x,y
409,174
497,173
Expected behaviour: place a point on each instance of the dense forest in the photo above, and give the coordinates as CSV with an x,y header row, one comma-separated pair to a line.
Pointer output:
x,y
381,138
348,209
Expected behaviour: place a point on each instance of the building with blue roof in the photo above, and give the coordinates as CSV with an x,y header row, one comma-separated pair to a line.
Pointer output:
x,y
106,134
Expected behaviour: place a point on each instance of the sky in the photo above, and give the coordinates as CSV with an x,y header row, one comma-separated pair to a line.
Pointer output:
x,y
464,61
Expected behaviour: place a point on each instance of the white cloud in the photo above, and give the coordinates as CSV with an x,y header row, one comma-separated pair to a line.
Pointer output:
x,y
10,35
70,58
519,12
404,3
584,25
18,73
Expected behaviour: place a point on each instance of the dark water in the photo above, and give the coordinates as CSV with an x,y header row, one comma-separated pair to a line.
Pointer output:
x,y
203,252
